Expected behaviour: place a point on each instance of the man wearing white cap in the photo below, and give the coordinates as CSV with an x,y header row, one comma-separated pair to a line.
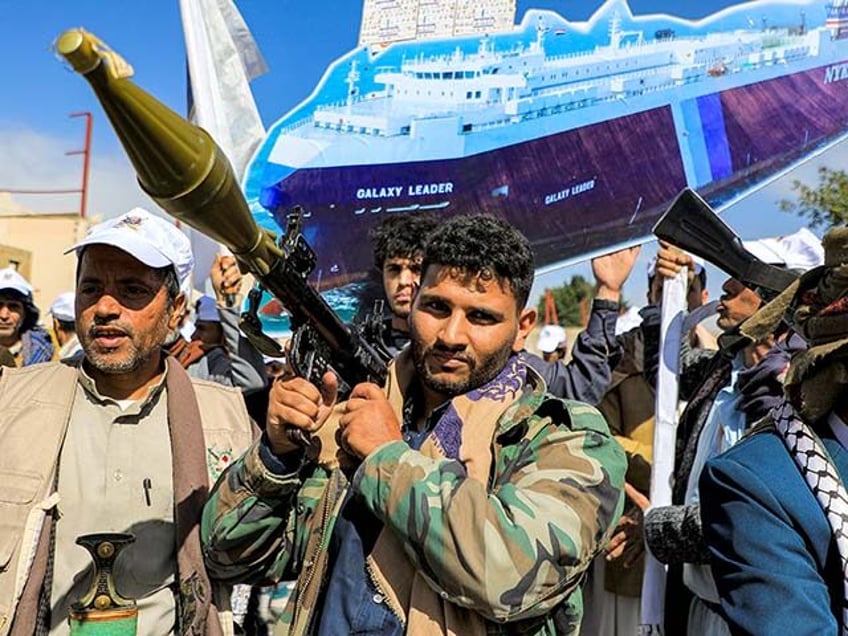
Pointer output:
x,y
19,330
552,343
119,440
740,385
64,326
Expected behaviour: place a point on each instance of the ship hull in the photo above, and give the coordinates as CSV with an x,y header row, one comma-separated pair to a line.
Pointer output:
x,y
576,191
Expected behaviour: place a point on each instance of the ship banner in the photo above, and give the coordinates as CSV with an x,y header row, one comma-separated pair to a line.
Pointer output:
x,y
578,133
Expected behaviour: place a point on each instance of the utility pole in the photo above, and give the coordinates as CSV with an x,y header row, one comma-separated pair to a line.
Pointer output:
x,y
86,158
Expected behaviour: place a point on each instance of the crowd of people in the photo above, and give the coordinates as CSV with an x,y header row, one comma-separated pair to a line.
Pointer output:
x,y
483,489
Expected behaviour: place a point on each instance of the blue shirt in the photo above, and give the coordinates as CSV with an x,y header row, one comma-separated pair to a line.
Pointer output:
x,y
351,603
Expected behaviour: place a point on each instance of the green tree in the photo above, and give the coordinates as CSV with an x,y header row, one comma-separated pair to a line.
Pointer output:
x,y
825,204
567,299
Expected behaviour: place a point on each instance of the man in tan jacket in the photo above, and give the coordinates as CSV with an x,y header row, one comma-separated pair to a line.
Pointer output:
x,y
122,441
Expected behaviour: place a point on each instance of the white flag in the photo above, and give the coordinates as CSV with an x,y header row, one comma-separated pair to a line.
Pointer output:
x,y
222,59
665,430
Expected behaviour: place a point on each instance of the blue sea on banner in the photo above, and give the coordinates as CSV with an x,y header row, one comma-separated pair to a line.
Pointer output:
x,y
578,133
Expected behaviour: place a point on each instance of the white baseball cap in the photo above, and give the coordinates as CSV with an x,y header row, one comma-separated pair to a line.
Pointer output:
x,y
768,250
801,250
63,307
804,250
11,279
147,238
551,337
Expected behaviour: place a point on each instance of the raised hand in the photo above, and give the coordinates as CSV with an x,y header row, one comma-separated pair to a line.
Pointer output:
x,y
611,270
628,542
670,260
225,277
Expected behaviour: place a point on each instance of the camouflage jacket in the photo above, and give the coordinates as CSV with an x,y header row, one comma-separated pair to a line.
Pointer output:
x,y
553,498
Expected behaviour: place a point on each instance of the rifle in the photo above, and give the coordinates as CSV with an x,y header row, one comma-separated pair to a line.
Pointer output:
x,y
320,341
690,223
185,172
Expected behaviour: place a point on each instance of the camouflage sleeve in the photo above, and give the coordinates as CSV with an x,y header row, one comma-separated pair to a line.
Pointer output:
x,y
519,548
244,525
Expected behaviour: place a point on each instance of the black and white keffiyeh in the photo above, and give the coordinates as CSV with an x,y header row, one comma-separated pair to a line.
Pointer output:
x,y
821,476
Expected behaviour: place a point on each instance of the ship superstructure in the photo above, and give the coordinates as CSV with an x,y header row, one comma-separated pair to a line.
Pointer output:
x,y
837,18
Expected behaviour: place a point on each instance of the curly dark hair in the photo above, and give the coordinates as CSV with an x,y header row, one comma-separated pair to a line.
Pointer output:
x,y
401,236
479,243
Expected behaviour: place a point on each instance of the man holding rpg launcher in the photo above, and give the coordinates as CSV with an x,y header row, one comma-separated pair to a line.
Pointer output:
x,y
456,496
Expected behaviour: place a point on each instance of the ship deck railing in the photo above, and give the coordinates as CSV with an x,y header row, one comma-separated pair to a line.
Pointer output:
x,y
380,105
299,123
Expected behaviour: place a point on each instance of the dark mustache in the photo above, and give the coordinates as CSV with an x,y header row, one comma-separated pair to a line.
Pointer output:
x,y
101,327
455,351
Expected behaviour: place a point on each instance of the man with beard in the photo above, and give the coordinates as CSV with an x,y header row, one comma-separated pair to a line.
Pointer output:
x,y
460,498
118,440
743,381
398,246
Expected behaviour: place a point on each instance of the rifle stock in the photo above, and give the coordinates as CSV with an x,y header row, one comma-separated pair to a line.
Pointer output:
x,y
690,223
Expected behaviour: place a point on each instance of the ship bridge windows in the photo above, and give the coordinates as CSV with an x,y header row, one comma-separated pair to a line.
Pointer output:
x,y
446,75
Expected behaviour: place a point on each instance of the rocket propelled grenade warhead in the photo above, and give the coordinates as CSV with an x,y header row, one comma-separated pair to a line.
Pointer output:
x,y
186,173
177,163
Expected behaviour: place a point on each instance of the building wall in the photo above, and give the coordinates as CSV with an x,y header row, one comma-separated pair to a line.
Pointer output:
x,y
38,242
387,21
484,16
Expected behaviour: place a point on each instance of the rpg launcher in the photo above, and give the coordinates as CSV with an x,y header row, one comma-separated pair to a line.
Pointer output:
x,y
181,167
690,223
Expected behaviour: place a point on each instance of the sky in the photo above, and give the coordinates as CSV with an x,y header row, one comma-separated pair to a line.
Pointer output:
x,y
298,38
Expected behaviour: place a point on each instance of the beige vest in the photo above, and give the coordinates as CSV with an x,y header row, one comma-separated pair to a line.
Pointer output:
x,y
35,407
